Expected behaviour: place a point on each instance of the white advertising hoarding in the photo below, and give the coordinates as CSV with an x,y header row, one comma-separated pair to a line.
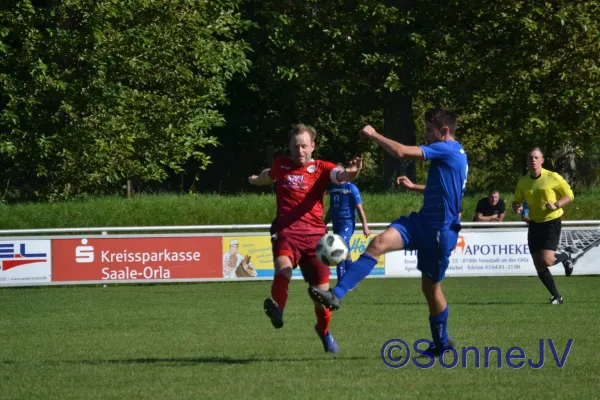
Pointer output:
x,y
503,253
25,261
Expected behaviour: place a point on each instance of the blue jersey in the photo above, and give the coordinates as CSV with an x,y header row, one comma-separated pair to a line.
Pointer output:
x,y
525,211
446,182
343,200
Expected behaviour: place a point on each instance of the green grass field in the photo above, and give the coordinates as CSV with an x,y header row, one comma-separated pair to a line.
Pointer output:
x,y
212,340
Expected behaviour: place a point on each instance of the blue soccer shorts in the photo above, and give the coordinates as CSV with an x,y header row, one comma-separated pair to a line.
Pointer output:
x,y
433,246
345,230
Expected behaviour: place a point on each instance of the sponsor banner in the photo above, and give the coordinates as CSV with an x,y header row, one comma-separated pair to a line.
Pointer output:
x,y
503,254
252,257
25,262
136,259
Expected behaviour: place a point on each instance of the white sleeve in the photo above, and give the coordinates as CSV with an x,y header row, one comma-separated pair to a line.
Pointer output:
x,y
333,175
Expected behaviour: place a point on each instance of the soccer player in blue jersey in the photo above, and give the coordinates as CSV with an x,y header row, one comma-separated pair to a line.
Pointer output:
x,y
344,203
433,231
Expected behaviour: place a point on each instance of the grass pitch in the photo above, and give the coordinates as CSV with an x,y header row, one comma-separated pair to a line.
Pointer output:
x,y
213,340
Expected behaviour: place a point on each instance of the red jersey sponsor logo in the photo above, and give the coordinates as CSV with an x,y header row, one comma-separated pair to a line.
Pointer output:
x,y
294,182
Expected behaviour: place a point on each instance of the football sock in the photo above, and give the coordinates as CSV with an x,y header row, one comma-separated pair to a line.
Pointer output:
x,y
438,328
548,281
323,319
355,272
560,257
340,269
348,263
279,290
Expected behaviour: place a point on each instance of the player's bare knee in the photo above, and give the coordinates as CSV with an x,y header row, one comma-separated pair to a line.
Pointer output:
x,y
285,271
430,289
547,262
377,247
283,261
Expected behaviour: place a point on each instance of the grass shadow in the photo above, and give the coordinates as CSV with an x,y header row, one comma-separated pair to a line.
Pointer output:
x,y
181,361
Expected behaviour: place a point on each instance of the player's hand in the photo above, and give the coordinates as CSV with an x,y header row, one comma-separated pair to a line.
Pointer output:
x,y
367,132
253,179
355,165
366,231
404,181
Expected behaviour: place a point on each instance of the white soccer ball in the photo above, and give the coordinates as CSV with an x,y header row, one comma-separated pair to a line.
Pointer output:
x,y
331,249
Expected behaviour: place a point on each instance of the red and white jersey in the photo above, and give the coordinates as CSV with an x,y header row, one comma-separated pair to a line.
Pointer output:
x,y
300,192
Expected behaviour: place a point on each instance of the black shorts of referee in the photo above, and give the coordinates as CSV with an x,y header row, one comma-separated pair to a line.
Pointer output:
x,y
544,235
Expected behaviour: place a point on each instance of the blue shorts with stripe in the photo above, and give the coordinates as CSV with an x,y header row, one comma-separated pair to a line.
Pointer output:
x,y
433,246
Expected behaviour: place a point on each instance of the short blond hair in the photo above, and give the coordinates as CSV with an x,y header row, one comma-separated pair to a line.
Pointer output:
x,y
301,128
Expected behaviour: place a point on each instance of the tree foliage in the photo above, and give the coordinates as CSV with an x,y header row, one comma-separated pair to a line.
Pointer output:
x,y
521,74
95,92
518,73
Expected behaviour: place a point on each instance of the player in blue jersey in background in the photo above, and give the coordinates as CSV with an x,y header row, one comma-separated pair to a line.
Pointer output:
x,y
344,203
433,231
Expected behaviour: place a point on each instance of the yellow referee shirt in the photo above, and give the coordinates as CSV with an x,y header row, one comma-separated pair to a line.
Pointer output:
x,y
548,187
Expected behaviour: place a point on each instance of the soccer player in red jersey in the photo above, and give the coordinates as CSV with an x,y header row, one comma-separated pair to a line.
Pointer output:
x,y
301,185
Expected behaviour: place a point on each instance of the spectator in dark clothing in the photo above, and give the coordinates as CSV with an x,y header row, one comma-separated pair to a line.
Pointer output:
x,y
490,209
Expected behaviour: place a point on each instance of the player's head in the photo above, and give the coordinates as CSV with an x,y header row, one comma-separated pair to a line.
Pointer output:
x,y
535,159
494,197
302,143
440,125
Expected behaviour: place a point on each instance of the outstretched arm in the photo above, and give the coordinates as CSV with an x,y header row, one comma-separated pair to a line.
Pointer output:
x,y
394,148
262,179
363,219
408,184
349,174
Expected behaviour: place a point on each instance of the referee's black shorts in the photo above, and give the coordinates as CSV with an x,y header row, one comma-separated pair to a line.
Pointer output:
x,y
543,235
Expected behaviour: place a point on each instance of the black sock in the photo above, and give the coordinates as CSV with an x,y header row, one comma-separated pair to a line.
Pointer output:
x,y
548,281
560,257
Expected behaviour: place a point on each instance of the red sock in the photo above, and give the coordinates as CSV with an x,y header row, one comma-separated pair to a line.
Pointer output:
x,y
323,319
279,290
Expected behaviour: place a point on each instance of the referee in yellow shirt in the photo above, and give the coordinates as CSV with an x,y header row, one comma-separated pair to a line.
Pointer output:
x,y
546,193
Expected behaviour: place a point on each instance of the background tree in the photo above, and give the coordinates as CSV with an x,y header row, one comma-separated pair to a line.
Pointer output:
x,y
95,92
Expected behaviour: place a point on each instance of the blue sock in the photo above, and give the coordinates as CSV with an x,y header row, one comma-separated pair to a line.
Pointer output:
x,y
438,328
348,264
355,272
340,269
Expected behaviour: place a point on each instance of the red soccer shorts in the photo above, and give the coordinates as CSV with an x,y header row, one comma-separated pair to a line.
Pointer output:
x,y
301,250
